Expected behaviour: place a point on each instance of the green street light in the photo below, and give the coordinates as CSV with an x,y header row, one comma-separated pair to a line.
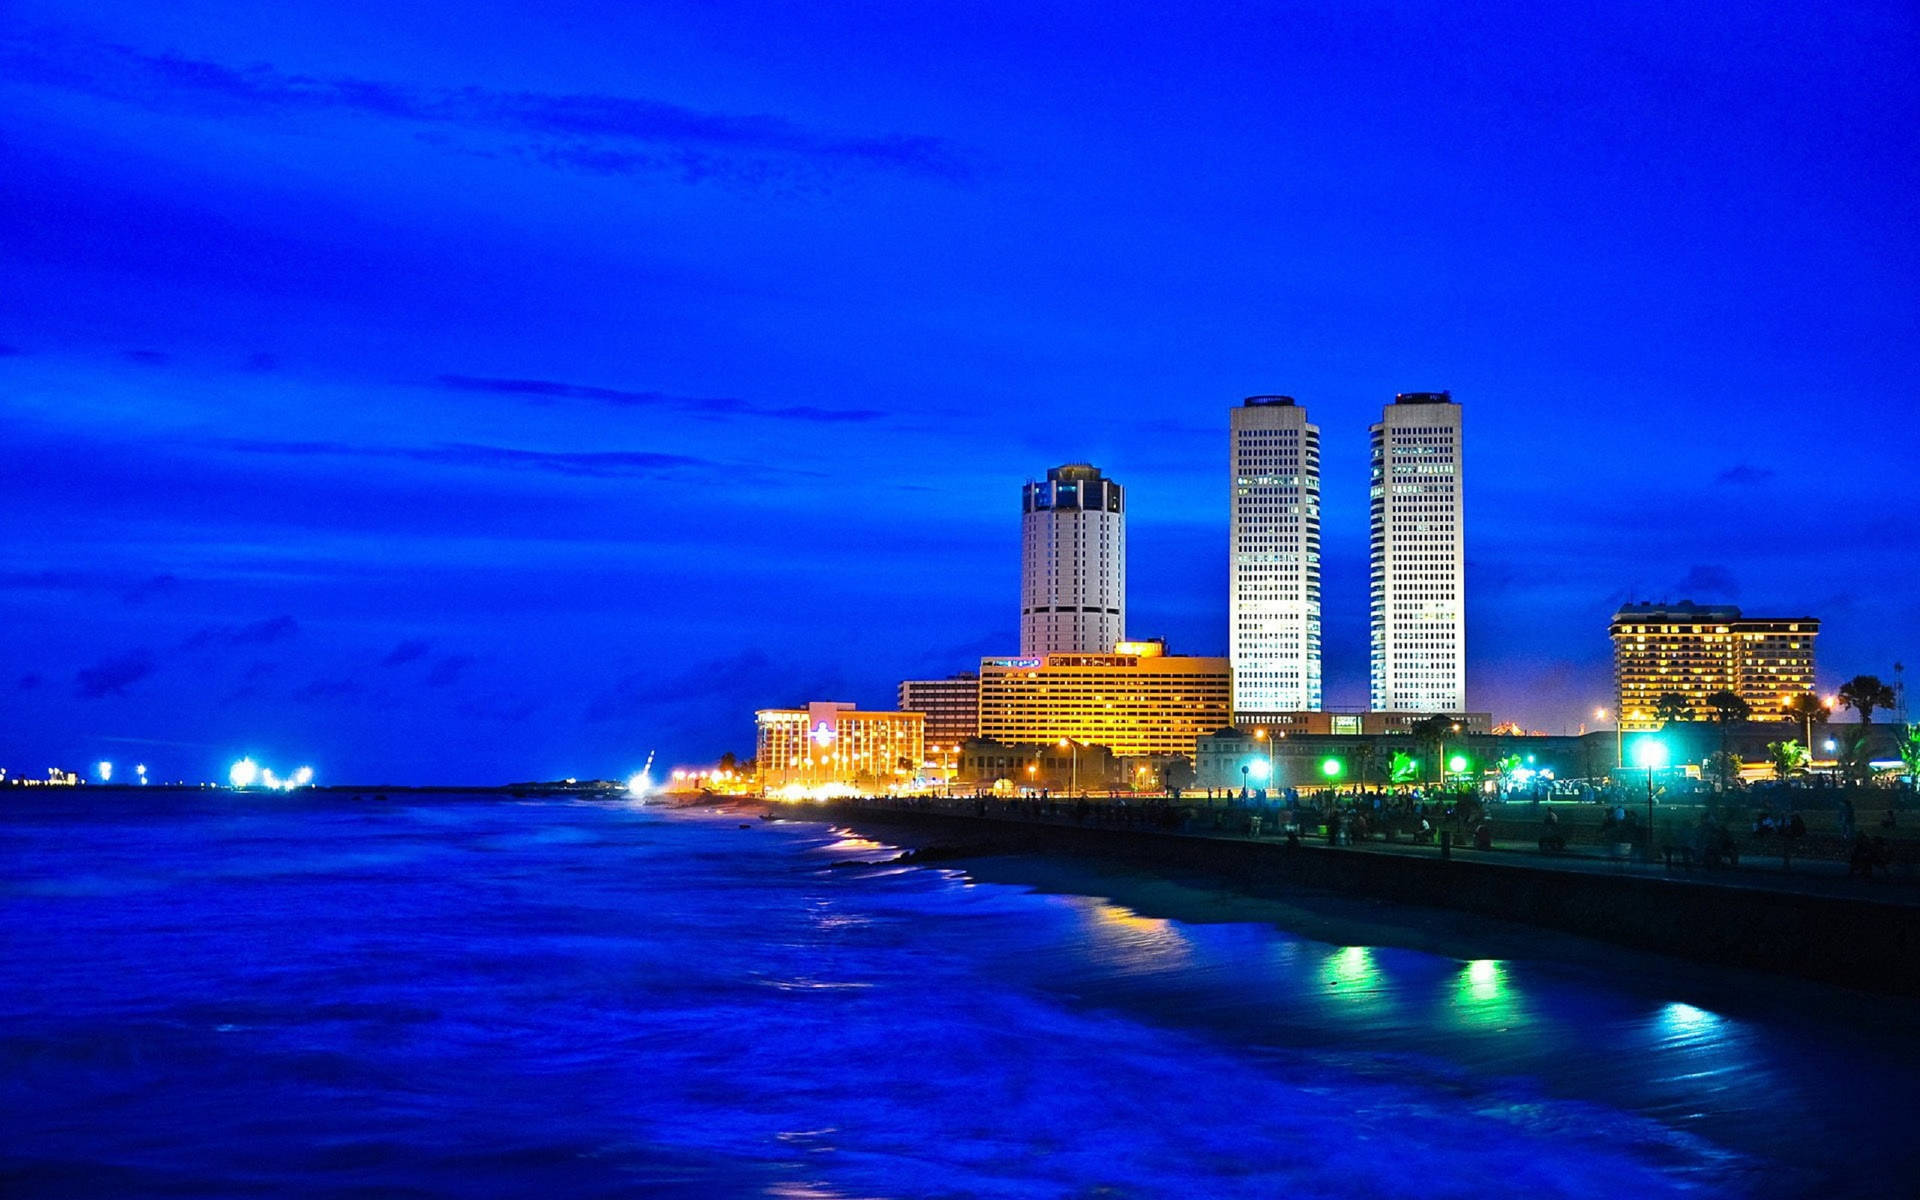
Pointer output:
x,y
1331,768
1457,763
1651,753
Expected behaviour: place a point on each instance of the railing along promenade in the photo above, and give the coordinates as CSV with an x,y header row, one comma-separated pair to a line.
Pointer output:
x,y
1799,912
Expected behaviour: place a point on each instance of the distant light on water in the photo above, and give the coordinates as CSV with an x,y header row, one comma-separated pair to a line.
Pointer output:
x,y
639,784
246,773
104,771
1684,1020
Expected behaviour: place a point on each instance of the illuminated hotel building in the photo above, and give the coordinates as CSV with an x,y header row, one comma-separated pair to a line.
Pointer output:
x,y
1136,700
1694,650
951,705
1418,576
1275,596
834,743
1073,562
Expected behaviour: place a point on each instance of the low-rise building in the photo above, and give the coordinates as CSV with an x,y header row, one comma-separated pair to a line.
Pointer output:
x,y
1138,701
833,744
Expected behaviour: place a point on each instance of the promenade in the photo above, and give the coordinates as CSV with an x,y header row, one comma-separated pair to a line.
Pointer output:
x,y
1810,919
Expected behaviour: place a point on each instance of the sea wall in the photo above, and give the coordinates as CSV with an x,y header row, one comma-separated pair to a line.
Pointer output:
x,y
1854,942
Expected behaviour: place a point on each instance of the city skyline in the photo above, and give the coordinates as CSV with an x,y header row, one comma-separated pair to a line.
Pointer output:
x,y
447,402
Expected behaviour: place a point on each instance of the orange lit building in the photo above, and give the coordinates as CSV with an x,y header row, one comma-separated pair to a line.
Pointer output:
x,y
1694,650
832,743
1138,701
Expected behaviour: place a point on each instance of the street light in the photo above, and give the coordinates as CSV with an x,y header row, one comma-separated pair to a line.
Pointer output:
x,y
1261,735
1651,753
1073,784
1619,738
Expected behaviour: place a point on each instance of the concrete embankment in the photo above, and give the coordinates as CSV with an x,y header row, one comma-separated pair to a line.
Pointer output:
x,y
1852,941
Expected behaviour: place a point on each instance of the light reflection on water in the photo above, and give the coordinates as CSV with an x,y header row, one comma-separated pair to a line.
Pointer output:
x,y
498,999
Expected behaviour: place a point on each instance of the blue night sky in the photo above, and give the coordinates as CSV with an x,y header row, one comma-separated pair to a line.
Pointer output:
x,y
503,391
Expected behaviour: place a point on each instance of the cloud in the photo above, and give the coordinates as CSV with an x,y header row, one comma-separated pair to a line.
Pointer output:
x,y
1744,475
581,130
28,682
542,391
147,358
113,676
321,690
448,670
258,633
739,683
405,652
498,708
1709,581
148,588
599,464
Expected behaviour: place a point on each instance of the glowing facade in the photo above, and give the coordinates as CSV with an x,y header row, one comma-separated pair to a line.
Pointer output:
x,y
833,743
1135,700
1275,596
1073,562
1693,650
1418,576
951,706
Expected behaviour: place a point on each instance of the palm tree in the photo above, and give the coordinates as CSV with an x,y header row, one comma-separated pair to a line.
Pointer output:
x,y
1806,709
1671,707
1863,694
1724,766
1727,708
1433,731
1909,747
1787,757
1366,757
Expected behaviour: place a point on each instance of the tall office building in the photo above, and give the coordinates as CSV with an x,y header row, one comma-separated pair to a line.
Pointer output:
x,y
1418,577
1073,563
1275,597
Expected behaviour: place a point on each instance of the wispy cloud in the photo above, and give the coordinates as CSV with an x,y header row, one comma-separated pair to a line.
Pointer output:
x,y
406,652
596,132
113,676
1744,475
545,391
256,633
1707,581
602,464
448,670
328,689
130,591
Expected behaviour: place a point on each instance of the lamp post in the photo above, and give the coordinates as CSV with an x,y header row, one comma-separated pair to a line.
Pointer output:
x,y
1073,784
1261,736
1619,737
1651,753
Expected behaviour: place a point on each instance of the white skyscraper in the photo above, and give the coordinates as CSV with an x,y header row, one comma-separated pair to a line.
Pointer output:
x,y
1073,563
1419,559
1275,604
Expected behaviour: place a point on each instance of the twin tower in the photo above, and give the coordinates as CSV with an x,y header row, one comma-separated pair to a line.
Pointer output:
x,y
1073,559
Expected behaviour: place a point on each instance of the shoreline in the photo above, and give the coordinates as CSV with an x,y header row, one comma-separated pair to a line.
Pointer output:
x,y
1335,894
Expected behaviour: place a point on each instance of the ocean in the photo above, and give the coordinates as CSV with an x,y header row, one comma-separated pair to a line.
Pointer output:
x,y
209,994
